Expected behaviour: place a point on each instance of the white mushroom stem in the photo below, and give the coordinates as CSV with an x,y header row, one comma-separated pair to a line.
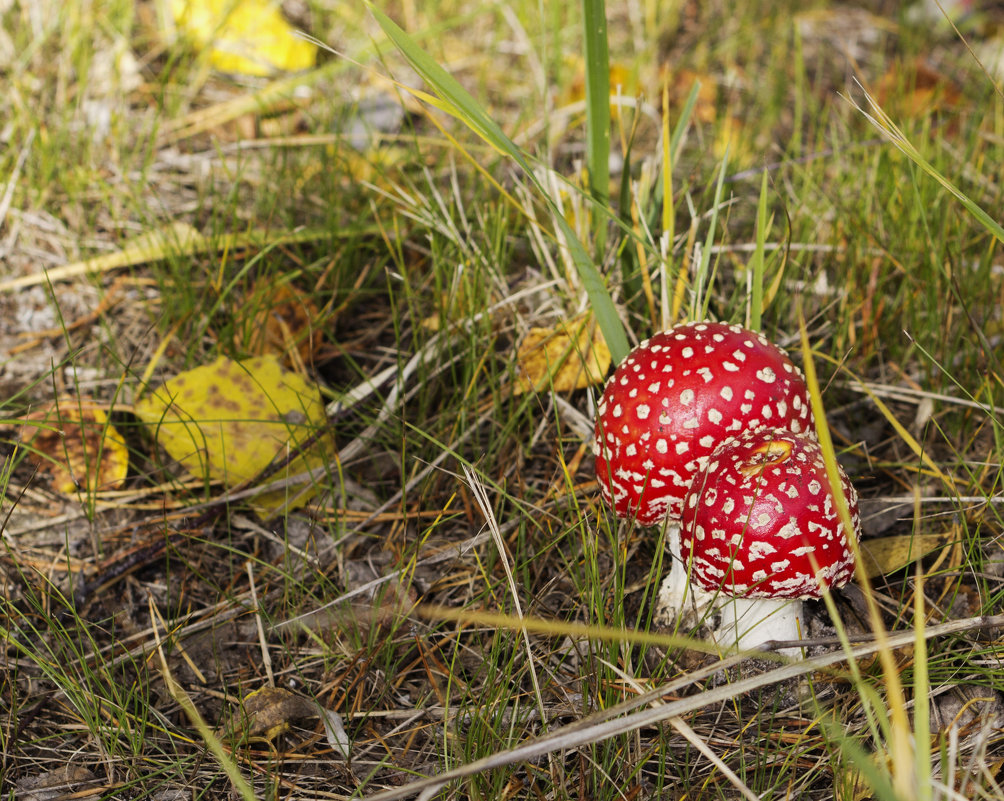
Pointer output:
x,y
679,600
749,623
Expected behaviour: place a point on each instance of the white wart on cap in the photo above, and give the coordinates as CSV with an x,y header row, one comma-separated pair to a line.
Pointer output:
x,y
760,520
675,398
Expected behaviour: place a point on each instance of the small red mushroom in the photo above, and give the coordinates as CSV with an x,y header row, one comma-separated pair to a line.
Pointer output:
x,y
675,398
760,524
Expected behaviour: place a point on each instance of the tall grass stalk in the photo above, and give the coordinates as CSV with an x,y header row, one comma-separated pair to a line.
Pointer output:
x,y
456,101
757,262
597,65
900,737
885,125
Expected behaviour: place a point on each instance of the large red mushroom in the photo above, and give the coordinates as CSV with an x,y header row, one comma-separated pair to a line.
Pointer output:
x,y
761,525
675,398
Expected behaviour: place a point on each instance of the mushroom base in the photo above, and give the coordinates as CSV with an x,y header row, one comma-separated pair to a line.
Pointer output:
x,y
745,624
749,623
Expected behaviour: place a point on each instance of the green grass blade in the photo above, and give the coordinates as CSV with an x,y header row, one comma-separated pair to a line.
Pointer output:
x,y
756,264
703,279
683,121
885,125
455,100
921,681
597,64
458,102
869,774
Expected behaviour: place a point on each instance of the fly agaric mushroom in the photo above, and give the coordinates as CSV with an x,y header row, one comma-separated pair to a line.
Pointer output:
x,y
674,399
760,525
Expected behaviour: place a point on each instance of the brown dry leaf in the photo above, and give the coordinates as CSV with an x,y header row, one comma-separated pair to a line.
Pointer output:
x,y
73,441
286,321
269,711
570,356
888,554
68,781
915,90
680,83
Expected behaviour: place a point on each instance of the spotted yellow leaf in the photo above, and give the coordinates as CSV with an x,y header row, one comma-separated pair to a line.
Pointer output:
x,y
72,441
249,37
572,355
228,421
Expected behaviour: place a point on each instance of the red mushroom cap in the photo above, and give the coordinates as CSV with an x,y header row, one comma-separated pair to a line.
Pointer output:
x,y
675,398
761,522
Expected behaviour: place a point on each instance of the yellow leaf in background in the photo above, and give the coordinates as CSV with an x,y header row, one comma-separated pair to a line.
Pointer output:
x,y
249,37
571,355
229,420
73,441
886,555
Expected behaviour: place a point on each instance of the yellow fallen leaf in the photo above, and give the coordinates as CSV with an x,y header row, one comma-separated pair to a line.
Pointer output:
x,y
249,37
227,421
73,441
570,356
888,554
